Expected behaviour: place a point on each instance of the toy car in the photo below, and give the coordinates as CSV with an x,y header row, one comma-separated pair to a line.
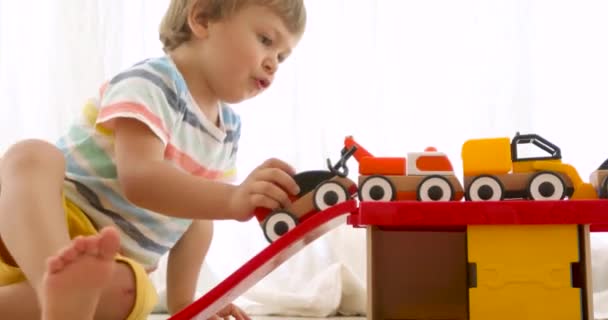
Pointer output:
x,y
319,190
421,176
496,169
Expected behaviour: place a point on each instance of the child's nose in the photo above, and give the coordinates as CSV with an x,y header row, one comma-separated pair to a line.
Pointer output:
x,y
270,66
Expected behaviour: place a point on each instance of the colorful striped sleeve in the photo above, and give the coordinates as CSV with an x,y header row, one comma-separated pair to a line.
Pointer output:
x,y
143,95
233,123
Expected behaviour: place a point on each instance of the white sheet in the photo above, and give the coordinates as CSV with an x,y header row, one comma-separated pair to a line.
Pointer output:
x,y
334,291
324,280
599,271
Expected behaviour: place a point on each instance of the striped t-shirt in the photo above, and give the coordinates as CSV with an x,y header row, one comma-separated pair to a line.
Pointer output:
x,y
155,93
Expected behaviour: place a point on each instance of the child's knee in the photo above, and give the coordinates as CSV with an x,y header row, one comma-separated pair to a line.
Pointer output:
x,y
31,156
118,299
125,305
133,295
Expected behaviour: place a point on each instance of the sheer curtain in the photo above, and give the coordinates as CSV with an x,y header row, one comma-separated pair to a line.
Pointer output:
x,y
398,75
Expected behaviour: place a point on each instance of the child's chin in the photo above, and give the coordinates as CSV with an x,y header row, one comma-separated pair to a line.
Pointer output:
x,y
237,99
233,100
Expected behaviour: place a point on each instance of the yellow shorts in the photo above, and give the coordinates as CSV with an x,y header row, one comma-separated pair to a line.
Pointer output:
x,y
79,224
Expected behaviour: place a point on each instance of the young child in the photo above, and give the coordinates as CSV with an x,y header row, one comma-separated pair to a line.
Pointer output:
x,y
144,171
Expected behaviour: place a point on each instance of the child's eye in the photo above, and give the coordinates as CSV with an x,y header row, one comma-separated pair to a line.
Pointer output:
x,y
265,40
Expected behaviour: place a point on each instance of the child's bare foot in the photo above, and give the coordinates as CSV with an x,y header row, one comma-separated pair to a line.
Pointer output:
x,y
76,276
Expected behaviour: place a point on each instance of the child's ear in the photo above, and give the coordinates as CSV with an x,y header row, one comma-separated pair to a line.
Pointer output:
x,y
198,22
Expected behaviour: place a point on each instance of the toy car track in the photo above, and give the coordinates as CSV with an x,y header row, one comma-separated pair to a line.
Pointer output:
x,y
266,261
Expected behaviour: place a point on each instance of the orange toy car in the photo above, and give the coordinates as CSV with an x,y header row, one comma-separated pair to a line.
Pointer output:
x,y
319,190
422,176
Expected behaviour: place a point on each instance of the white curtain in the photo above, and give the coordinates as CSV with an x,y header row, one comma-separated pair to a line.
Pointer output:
x,y
398,75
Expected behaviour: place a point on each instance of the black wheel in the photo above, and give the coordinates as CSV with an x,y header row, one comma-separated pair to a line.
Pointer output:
x,y
485,188
277,224
435,188
377,188
604,189
546,186
328,194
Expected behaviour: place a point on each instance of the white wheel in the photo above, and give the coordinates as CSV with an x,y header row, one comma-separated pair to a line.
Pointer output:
x,y
377,188
485,188
546,186
328,194
435,188
277,224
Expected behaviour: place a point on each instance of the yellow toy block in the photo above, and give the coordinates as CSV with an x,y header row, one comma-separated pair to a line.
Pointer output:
x,y
521,270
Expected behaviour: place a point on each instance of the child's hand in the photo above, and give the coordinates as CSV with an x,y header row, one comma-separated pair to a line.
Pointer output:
x,y
268,186
231,310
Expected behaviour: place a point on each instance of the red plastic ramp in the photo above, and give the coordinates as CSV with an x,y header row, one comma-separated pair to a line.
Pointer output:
x,y
266,261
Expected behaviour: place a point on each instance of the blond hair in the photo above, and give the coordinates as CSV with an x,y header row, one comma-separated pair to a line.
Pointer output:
x,y
174,29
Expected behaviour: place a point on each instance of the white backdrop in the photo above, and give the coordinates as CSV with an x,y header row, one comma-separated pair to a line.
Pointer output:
x,y
399,75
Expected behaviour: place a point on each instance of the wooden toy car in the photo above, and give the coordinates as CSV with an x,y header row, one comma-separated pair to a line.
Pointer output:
x,y
422,176
319,190
497,169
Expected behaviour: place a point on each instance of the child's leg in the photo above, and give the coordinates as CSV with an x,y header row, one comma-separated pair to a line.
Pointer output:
x,y
18,301
77,275
32,219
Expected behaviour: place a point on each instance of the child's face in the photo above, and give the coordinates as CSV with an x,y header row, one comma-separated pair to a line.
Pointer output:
x,y
242,54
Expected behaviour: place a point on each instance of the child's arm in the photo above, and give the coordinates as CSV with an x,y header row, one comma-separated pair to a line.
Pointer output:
x,y
150,182
185,261
184,264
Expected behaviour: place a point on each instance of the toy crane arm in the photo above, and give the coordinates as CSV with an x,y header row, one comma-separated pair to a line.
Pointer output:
x,y
340,168
360,152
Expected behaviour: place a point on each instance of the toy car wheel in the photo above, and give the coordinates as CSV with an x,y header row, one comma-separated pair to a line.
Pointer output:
x,y
277,224
546,186
377,188
485,188
328,194
604,189
435,188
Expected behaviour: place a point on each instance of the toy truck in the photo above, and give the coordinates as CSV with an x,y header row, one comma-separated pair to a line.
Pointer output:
x,y
422,176
319,190
495,169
